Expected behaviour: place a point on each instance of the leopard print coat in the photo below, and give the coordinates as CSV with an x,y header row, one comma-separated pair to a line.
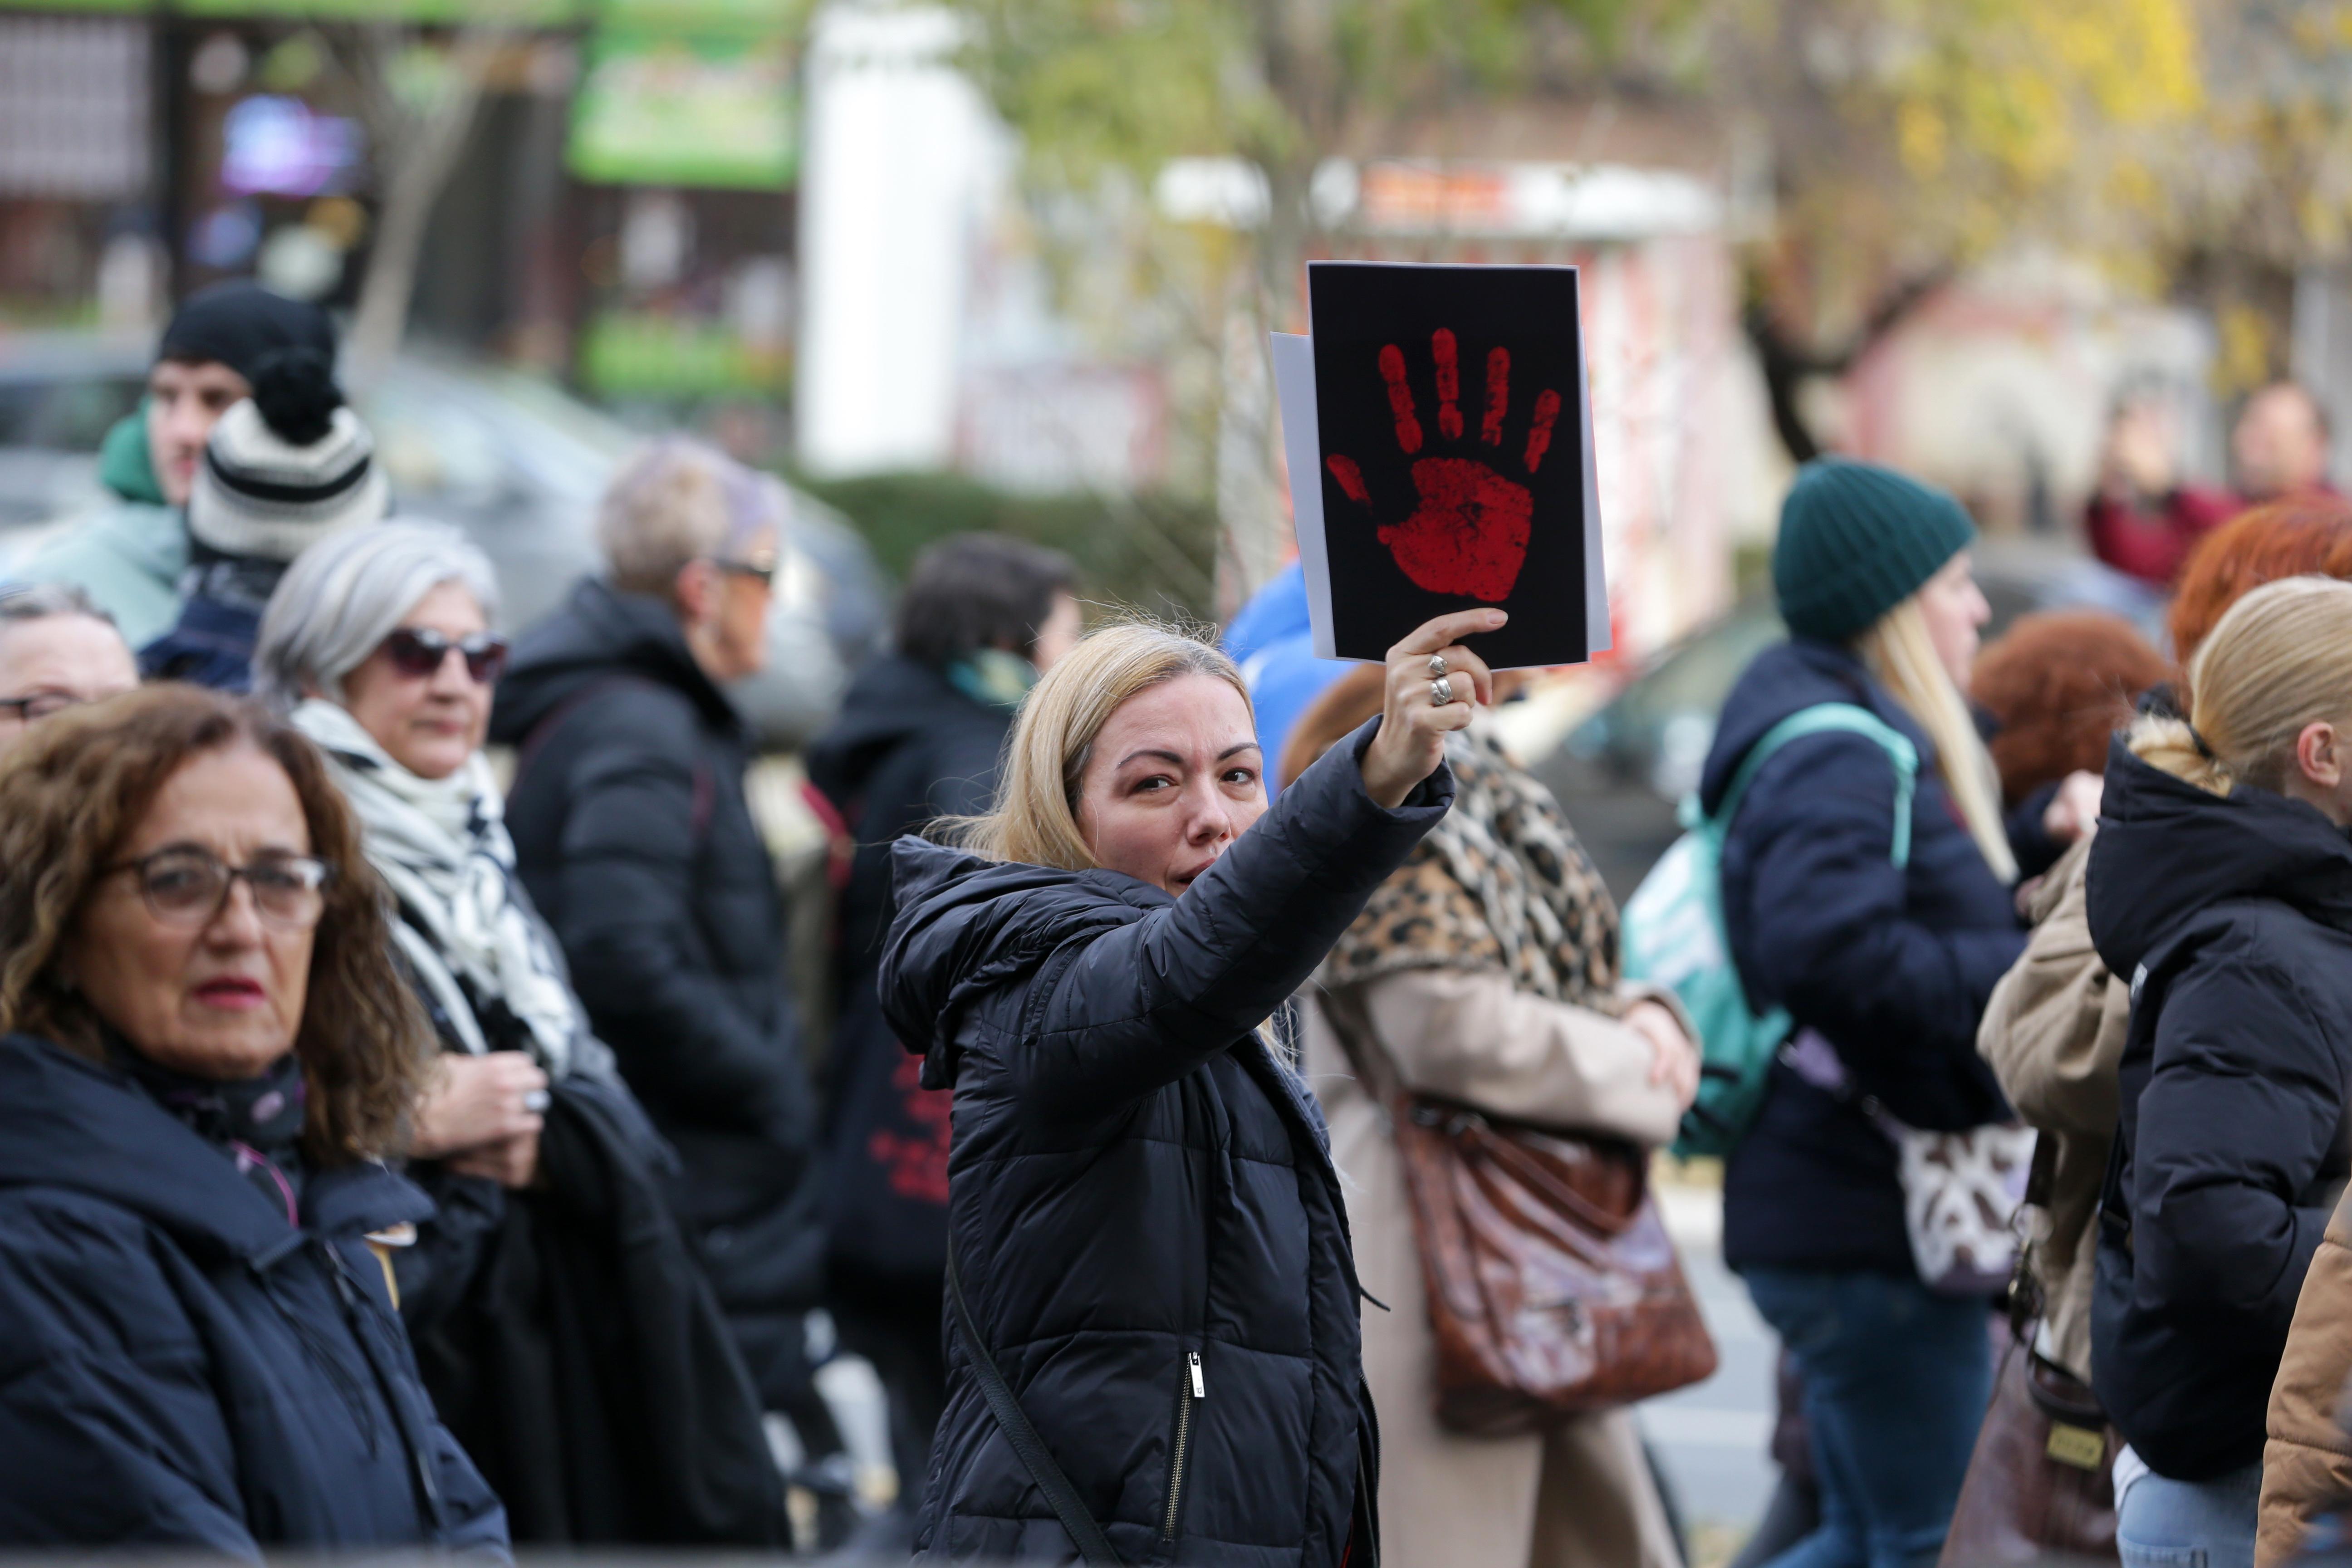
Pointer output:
x,y
1501,883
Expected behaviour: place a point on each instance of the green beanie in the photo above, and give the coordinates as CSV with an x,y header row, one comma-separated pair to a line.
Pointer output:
x,y
1857,540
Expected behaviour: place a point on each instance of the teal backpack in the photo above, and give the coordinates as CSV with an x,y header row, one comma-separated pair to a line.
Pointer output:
x,y
1674,934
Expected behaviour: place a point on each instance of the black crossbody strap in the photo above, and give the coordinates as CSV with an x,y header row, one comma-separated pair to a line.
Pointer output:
x,y
1093,1546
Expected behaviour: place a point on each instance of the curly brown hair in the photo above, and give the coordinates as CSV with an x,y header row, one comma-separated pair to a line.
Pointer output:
x,y
2061,684
2302,536
71,795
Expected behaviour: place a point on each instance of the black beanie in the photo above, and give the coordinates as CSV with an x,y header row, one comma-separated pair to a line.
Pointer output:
x,y
240,324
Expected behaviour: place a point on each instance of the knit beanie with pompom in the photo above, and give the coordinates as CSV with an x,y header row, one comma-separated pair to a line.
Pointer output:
x,y
286,466
1857,540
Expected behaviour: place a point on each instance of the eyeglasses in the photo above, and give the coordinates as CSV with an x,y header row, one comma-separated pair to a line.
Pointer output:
x,y
419,652
189,887
38,705
761,569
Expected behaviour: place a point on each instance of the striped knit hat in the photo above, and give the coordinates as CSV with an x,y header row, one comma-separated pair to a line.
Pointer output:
x,y
286,466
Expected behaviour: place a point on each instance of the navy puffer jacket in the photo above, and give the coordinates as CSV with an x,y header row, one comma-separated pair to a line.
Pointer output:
x,y
1136,1181
179,1365
2234,921
1893,967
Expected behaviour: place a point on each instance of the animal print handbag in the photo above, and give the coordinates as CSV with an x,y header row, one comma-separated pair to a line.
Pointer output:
x,y
1961,1191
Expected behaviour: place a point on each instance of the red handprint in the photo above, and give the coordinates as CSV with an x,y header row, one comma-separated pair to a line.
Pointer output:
x,y
1469,534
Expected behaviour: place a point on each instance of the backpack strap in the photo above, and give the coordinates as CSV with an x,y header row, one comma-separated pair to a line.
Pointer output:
x,y
1093,1547
1825,719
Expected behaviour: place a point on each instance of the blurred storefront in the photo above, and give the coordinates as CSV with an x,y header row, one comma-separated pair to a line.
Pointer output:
x,y
621,210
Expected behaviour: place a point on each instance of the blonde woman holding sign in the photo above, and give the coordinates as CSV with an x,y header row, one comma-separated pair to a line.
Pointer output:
x,y
1152,1303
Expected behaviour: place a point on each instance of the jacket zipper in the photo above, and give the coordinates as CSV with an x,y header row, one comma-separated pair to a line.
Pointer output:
x,y
1192,1390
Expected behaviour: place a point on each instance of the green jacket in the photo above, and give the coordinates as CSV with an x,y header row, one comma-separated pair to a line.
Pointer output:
x,y
129,557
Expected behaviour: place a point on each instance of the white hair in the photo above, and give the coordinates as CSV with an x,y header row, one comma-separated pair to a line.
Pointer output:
x,y
346,594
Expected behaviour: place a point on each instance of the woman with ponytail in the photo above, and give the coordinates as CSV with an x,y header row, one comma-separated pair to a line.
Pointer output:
x,y
1884,953
2221,884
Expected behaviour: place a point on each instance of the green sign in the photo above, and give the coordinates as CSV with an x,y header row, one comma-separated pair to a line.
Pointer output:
x,y
628,354
508,12
655,110
701,18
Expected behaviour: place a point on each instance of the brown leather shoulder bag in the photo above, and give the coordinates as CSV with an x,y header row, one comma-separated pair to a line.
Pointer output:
x,y
1553,1288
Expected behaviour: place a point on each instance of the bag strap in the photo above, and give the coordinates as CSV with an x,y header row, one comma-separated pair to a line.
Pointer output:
x,y
1833,717
1093,1547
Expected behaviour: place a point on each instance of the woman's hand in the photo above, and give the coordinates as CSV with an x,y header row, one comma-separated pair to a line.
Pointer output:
x,y
1675,1061
510,1161
476,1101
1413,727
2073,811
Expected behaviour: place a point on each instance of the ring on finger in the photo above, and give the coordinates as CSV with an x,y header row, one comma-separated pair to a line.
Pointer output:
x,y
1437,666
1441,692
536,1100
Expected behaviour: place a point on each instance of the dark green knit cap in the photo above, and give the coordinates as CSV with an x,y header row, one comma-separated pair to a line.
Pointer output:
x,y
1857,540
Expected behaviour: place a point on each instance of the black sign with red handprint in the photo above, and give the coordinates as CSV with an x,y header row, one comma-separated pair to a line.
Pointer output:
x,y
1449,406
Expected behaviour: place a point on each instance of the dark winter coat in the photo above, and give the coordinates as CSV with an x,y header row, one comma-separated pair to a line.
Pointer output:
x,y
586,1365
634,837
908,748
1893,967
2232,920
1137,1180
179,1365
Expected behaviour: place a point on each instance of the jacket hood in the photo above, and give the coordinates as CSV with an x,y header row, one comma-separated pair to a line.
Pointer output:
x,y
893,698
966,925
2168,851
601,633
126,463
68,1123
1785,678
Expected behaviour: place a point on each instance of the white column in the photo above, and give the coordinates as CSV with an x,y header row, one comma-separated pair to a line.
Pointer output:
x,y
890,197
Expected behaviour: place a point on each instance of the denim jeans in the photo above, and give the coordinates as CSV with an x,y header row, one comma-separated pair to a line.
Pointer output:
x,y
1896,1382
2165,1524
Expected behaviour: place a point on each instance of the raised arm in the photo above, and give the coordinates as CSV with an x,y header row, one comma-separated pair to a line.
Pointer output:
x,y
1125,1013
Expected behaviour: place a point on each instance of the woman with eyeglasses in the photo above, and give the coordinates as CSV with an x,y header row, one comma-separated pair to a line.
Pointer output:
x,y
208,1053
58,650
552,1229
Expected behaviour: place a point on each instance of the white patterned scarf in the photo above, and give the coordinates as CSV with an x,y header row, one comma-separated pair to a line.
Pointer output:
x,y
441,846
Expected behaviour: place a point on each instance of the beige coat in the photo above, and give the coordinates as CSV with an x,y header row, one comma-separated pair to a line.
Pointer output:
x,y
2307,1462
2053,1034
1578,1497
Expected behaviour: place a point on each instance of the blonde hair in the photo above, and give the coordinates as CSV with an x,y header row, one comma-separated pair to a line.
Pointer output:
x,y
1036,818
1900,656
2280,660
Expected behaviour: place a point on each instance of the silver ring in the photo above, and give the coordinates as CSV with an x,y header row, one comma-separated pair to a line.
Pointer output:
x,y
1437,666
536,1100
1441,692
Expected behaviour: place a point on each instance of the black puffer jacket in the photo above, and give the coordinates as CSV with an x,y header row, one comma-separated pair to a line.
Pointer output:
x,y
1893,967
1136,1181
2234,919
179,1365
634,837
907,748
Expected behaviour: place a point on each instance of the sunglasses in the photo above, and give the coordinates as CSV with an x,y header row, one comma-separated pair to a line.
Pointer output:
x,y
761,570
419,653
39,705
189,887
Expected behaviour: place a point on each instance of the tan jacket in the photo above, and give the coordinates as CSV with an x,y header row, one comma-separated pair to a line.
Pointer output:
x,y
2307,1463
2053,1034
1578,1497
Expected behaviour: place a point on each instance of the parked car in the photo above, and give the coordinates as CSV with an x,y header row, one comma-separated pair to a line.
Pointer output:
x,y
1622,774
514,461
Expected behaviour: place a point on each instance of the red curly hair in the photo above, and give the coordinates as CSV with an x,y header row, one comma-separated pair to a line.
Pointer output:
x,y
2061,683
2304,535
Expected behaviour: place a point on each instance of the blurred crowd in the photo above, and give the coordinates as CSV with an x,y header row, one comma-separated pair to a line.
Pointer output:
x,y
1221,1112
